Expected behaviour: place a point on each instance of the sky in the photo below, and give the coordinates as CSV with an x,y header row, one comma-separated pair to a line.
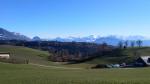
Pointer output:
x,y
63,18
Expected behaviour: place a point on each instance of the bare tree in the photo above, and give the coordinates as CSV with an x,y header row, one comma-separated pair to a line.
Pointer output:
x,y
120,44
132,44
65,55
139,43
39,44
126,43
104,45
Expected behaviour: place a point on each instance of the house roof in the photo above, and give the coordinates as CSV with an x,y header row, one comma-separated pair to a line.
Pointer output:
x,y
146,59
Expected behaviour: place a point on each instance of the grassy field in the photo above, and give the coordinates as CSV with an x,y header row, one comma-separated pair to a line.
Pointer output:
x,y
40,57
22,53
29,74
36,56
128,56
42,71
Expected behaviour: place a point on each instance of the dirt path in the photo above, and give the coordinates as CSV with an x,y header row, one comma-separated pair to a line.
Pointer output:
x,y
56,67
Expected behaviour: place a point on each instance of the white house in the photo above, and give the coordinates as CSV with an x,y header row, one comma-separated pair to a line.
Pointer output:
x,y
4,55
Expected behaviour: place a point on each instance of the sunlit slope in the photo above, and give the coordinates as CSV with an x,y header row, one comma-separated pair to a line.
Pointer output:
x,y
128,55
22,53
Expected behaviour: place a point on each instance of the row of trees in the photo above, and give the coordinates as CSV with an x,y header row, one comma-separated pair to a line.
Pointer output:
x,y
75,51
125,44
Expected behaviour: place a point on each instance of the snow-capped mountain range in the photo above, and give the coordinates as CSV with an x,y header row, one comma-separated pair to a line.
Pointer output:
x,y
7,35
111,40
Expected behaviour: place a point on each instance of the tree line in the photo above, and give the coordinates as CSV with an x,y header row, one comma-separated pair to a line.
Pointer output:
x,y
75,51
132,44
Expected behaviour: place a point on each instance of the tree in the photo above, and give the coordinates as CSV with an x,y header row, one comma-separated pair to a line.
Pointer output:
x,y
132,44
79,56
120,44
104,45
65,55
139,43
126,43
39,44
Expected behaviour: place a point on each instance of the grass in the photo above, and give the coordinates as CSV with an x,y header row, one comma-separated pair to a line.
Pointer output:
x,y
29,74
129,56
40,57
22,53
34,74
36,56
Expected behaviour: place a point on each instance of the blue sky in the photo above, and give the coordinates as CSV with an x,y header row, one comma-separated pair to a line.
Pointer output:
x,y
53,18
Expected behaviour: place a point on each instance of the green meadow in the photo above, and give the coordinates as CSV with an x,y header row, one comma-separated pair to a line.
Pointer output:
x,y
42,71
29,74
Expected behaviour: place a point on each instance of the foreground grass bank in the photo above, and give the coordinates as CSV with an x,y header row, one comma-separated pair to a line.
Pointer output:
x,y
29,74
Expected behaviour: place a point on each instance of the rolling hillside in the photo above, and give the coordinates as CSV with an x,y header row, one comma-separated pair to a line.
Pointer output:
x,y
46,73
40,57
128,55
34,56
37,57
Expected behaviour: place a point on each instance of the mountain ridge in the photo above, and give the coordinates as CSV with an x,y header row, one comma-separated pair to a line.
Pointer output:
x,y
111,40
7,35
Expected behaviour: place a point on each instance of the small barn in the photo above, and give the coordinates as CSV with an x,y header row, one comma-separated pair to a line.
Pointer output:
x,y
4,55
143,61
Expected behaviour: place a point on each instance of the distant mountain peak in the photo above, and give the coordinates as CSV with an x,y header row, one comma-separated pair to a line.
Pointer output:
x,y
112,39
7,35
36,38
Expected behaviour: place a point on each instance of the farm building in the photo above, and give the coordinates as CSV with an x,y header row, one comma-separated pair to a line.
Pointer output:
x,y
4,55
143,61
